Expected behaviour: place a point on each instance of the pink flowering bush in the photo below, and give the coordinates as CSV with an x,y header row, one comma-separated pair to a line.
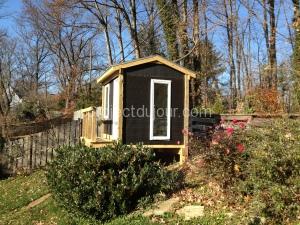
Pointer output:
x,y
225,153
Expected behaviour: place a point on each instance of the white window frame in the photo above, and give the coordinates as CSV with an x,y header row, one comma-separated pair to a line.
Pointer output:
x,y
106,103
158,81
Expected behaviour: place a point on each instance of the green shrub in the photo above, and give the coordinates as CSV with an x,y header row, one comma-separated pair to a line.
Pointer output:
x,y
107,182
273,171
264,175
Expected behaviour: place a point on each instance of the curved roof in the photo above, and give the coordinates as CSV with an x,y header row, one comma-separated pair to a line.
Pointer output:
x,y
156,58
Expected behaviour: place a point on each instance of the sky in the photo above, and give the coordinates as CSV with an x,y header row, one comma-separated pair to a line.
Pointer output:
x,y
10,9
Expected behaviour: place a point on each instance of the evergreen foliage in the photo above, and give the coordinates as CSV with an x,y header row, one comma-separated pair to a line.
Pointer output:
x,y
107,182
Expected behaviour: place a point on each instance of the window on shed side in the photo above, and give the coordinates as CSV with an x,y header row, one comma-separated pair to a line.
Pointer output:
x,y
160,109
106,102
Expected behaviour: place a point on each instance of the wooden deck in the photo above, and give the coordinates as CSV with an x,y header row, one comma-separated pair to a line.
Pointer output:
x,y
97,143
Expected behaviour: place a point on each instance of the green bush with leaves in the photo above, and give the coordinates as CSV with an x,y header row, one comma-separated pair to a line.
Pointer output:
x,y
107,182
273,171
259,166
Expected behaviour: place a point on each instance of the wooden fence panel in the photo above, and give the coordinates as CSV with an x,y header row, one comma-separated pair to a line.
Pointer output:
x,y
35,151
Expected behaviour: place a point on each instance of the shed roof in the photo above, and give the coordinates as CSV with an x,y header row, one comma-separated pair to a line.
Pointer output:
x,y
156,58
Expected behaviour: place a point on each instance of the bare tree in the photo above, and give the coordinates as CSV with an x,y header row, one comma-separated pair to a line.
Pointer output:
x,y
195,84
149,35
7,78
128,9
229,17
272,47
183,34
101,13
32,58
68,44
119,30
296,50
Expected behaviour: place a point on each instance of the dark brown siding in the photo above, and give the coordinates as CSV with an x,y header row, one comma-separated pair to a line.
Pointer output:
x,y
137,94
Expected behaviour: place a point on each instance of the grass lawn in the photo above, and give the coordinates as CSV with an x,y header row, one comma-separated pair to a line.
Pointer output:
x,y
18,192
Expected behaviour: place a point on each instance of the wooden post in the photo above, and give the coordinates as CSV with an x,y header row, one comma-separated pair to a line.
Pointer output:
x,y
88,125
35,149
40,135
83,125
93,125
58,134
77,131
47,142
184,152
64,134
70,132
23,152
30,153
121,88
53,144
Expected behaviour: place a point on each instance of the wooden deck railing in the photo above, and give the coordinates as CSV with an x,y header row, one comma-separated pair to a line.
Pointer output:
x,y
89,124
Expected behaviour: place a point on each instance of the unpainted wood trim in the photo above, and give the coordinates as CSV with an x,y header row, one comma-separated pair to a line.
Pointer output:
x,y
162,146
91,108
141,61
121,90
109,71
113,76
106,137
184,151
180,148
93,125
86,141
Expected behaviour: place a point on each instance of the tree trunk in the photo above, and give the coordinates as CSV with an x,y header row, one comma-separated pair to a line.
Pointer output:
x,y
273,57
237,50
133,30
206,58
108,45
183,35
168,13
267,80
229,31
196,54
119,34
296,53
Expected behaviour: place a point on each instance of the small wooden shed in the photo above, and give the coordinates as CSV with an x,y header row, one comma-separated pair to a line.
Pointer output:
x,y
143,101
